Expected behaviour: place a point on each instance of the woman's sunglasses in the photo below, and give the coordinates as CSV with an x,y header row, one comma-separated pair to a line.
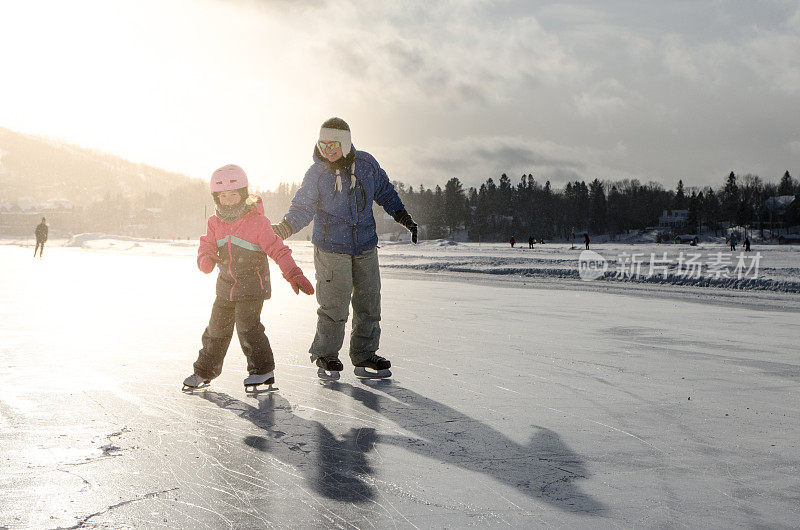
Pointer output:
x,y
329,145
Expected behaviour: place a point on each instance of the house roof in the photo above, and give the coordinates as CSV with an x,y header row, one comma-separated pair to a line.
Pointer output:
x,y
779,202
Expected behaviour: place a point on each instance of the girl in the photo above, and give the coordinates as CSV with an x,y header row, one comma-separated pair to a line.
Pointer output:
x,y
238,240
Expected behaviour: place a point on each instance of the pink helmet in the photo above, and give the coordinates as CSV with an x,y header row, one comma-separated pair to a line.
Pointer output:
x,y
227,178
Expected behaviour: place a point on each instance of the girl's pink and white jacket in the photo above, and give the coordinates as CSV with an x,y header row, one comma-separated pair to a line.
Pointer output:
x,y
240,249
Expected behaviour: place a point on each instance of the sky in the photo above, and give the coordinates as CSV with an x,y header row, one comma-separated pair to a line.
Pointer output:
x,y
564,90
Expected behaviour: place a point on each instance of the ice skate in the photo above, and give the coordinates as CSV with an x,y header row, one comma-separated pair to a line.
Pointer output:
x,y
329,368
258,383
194,382
375,367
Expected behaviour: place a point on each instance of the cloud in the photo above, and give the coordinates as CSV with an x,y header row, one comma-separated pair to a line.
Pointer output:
x,y
794,20
474,159
775,60
474,89
432,88
759,59
575,14
605,97
679,59
431,52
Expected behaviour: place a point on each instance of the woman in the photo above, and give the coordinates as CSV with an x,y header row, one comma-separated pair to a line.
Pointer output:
x,y
337,194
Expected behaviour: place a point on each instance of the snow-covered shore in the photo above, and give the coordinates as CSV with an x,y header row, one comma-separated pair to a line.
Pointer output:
x,y
765,268
778,267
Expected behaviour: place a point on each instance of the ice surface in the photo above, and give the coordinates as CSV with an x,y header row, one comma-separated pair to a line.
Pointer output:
x,y
514,402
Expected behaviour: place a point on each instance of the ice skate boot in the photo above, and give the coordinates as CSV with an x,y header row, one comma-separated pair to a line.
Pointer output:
x,y
329,368
375,367
194,382
258,383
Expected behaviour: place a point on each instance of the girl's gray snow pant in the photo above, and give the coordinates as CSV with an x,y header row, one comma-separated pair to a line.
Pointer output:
x,y
246,316
338,277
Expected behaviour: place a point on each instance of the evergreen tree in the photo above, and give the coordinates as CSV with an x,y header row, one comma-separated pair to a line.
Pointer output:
x,y
787,185
680,197
597,207
751,199
693,218
548,208
438,224
701,205
492,201
505,193
730,199
615,211
712,210
454,205
480,227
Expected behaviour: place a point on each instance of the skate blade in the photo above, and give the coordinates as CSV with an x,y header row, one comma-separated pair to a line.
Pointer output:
x,y
262,388
328,376
192,389
363,373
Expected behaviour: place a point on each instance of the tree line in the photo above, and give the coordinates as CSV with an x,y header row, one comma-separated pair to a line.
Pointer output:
x,y
496,210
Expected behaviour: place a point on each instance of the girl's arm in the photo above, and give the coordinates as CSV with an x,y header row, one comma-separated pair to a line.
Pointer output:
x,y
207,253
274,247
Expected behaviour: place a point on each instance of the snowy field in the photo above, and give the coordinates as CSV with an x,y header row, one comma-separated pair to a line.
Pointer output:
x,y
521,397
768,267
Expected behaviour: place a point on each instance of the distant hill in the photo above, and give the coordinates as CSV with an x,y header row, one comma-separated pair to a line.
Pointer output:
x,y
48,169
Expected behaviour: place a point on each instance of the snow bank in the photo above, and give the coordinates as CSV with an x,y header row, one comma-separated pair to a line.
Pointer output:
x,y
778,270
571,273
109,242
422,244
82,240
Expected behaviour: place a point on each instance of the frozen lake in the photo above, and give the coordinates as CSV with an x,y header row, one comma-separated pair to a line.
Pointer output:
x,y
514,403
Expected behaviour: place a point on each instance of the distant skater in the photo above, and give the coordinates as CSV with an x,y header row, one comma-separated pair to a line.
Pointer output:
x,y
41,237
530,242
586,240
512,241
747,244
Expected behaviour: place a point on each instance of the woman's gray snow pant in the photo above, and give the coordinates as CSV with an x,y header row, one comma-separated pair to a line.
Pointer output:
x,y
338,277
246,316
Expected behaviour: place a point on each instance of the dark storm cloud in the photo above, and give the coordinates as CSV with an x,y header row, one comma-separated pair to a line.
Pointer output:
x,y
563,89
405,58
476,159
282,4
517,156
670,90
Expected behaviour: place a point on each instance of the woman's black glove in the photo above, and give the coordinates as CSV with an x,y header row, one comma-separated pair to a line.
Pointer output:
x,y
403,217
283,229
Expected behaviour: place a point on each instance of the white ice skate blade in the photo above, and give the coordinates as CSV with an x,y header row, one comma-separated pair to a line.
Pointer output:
x,y
260,388
328,376
190,389
363,373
